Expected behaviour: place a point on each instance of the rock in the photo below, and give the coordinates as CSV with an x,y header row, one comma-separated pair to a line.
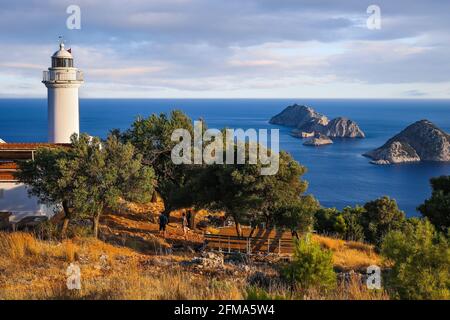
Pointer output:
x,y
209,260
379,162
421,141
318,140
236,258
301,134
343,127
308,122
299,116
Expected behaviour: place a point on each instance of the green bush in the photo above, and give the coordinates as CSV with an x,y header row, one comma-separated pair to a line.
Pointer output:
x,y
354,230
344,224
312,266
437,208
421,262
47,230
381,216
330,221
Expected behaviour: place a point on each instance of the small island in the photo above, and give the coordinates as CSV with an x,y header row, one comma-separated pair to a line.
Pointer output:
x,y
318,140
421,141
307,123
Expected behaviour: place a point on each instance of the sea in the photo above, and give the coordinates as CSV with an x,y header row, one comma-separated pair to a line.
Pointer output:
x,y
338,174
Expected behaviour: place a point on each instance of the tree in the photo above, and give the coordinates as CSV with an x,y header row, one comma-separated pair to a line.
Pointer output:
x,y
44,175
298,216
353,229
249,197
330,220
312,266
87,177
437,208
420,259
100,174
230,188
152,138
285,192
381,216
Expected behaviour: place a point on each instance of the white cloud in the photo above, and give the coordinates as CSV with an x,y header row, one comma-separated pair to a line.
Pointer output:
x,y
233,48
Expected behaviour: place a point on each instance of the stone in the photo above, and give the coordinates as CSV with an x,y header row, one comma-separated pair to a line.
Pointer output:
x,y
308,122
318,140
421,141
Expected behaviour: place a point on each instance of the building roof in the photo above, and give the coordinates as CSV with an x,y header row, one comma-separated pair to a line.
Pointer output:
x,y
62,53
30,146
12,152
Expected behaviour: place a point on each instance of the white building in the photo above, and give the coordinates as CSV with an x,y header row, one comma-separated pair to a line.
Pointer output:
x,y
62,81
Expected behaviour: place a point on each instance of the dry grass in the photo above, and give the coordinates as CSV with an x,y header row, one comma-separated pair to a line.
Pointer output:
x,y
350,289
350,255
35,269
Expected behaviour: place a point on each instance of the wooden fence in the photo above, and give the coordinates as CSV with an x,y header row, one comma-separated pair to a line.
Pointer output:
x,y
261,241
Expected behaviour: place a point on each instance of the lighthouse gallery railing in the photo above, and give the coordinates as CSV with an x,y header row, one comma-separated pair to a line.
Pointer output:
x,y
57,75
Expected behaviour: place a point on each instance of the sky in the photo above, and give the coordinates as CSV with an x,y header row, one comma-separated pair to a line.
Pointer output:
x,y
231,48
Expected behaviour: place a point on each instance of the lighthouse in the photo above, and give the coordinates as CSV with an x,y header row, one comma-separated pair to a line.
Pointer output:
x,y
62,81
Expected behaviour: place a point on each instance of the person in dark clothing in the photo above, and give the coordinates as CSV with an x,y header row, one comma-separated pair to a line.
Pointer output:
x,y
184,224
189,219
163,221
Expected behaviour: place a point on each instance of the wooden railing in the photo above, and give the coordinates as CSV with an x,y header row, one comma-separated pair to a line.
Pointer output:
x,y
249,245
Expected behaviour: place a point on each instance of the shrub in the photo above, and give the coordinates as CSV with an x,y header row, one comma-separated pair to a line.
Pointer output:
x,y
312,266
330,221
47,230
421,262
382,215
437,208
354,230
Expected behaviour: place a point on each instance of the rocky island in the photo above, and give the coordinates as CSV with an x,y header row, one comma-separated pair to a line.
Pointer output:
x,y
308,123
421,141
318,140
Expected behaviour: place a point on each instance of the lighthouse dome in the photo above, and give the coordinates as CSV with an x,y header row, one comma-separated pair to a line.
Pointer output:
x,y
62,58
62,53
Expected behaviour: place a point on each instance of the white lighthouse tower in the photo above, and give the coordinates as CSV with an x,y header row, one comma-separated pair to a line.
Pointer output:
x,y
62,81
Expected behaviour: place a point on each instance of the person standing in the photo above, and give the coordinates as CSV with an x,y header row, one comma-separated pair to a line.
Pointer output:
x,y
189,219
163,221
184,224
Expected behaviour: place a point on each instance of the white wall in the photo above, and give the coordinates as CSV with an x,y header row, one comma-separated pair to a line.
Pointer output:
x,y
14,198
63,114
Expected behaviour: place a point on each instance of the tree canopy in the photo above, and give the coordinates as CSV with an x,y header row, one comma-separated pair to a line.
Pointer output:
x,y
437,208
152,138
88,176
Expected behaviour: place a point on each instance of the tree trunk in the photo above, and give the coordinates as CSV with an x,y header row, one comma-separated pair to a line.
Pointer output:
x,y
238,227
154,197
252,231
66,220
267,222
193,220
96,222
64,228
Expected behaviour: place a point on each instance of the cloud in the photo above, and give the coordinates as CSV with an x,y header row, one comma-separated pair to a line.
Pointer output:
x,y
414,93
231,47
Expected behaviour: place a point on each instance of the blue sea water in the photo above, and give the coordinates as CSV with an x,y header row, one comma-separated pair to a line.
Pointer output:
x,y
338,174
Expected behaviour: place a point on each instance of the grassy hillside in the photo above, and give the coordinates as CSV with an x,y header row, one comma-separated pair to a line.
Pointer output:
x,y
134,262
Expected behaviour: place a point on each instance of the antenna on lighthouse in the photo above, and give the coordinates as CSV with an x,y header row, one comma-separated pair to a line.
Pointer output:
x,y
61,42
